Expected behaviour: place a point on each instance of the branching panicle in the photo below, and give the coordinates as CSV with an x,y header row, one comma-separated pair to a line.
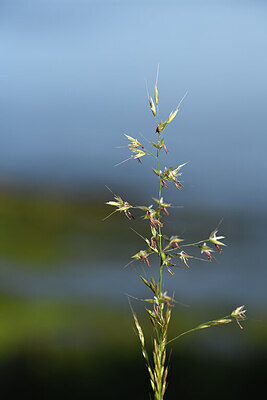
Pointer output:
x,y
169,251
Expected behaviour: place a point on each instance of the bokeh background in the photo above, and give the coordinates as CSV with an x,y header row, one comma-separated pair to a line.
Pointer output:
x,y
73,81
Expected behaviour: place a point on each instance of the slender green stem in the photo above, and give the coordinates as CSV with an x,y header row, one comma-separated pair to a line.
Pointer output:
x,y
181,334
160,236
151,154
160,343
201,326
194,244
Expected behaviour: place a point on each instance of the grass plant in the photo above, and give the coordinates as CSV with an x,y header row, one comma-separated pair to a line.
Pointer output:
x,y
169,251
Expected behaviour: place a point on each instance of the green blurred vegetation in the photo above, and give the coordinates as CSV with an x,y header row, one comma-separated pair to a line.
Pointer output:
x,y
42,230
63,349
59,350
75,326
37,230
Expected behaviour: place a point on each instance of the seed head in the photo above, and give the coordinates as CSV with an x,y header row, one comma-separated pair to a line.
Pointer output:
x,y
152,106
206,250
239,314
216,239
172,115
156,95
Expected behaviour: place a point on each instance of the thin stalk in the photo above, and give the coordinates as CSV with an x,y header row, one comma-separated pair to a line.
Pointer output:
x,y
160,236
182,334
202,326
160,344
194,244
151,154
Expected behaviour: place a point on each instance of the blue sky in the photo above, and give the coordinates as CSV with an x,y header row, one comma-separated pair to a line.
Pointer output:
x,y
73,81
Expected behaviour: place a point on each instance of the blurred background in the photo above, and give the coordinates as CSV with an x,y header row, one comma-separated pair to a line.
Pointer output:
x,y
73,81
